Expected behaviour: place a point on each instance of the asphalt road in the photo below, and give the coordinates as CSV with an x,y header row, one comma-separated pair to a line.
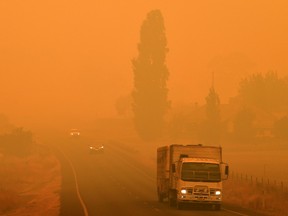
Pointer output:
x,y
114,183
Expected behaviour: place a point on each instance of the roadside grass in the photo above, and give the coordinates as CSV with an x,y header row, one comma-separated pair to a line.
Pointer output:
x,y
30,185
269,199
258,179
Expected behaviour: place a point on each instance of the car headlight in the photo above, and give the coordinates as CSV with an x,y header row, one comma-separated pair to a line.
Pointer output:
x,y
183,191
217,192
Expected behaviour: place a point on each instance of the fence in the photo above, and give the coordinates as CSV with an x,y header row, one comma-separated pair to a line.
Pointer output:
x,y
261,194
264,183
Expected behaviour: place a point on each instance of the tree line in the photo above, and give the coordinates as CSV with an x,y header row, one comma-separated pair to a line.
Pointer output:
x,y
17,142
258,110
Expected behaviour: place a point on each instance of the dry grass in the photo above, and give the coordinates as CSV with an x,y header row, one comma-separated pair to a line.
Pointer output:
x,y
266,163
271,200
30,185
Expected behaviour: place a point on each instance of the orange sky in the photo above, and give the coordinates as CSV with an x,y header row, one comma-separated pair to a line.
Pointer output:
x,y
72,59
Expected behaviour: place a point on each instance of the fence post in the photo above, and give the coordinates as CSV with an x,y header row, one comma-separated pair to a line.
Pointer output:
x,y
262,181
263,198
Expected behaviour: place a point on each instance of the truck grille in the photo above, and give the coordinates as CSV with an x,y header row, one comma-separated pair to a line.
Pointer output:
x,y
212,191
201,190
190,191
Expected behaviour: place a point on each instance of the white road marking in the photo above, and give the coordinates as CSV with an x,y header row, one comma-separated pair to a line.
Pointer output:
x,y
234,212
76,185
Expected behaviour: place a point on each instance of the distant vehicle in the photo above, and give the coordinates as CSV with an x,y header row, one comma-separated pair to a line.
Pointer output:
x,y
190,174
74,132
96,149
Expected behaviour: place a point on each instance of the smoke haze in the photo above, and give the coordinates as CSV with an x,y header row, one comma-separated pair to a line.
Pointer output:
x,y
71,60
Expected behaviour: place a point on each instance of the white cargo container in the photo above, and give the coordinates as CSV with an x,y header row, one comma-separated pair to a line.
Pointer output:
x,y
190,174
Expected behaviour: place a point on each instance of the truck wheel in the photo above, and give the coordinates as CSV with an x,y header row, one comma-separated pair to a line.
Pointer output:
x,y
160,197
217,207
179,205
172,199
171,202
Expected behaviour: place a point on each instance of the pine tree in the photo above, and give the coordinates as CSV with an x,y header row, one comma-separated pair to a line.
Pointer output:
x,y
150,76
213,106
213,123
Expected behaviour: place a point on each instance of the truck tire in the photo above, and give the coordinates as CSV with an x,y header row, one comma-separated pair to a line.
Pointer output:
x,y
171,202
217,207
160,197
179,205
172,198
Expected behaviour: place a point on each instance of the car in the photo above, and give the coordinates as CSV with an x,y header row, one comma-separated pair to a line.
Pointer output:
x,y
74,132
96,149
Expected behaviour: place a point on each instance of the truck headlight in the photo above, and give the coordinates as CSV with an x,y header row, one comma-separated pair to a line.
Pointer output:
x,y
183,191
217,192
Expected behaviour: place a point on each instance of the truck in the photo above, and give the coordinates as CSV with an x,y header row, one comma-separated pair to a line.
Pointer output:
x,y
191,174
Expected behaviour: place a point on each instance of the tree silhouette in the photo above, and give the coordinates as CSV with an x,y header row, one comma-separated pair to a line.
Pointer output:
x,y
213,106
212,127
150,75
18,142
267,92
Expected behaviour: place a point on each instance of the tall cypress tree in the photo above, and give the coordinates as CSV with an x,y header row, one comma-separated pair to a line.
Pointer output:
x,y
150,76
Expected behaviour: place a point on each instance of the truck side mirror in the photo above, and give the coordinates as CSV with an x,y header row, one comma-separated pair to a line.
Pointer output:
x,y
224,171
173,168
227,170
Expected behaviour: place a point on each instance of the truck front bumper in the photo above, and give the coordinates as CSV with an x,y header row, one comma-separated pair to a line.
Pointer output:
x,y
199,199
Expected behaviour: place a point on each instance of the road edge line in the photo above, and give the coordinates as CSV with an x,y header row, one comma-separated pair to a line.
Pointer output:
x,y
234,212
76,184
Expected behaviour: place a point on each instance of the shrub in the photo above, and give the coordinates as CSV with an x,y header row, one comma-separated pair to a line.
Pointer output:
x,y
19,142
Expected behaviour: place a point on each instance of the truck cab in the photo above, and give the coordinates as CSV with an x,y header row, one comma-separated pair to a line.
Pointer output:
x,y
191,174
197,180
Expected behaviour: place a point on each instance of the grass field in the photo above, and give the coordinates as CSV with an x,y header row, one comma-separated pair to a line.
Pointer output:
x,y
30,185
258,179
270,200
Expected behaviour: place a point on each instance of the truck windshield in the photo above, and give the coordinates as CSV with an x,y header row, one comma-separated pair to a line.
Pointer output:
x,y
205,172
